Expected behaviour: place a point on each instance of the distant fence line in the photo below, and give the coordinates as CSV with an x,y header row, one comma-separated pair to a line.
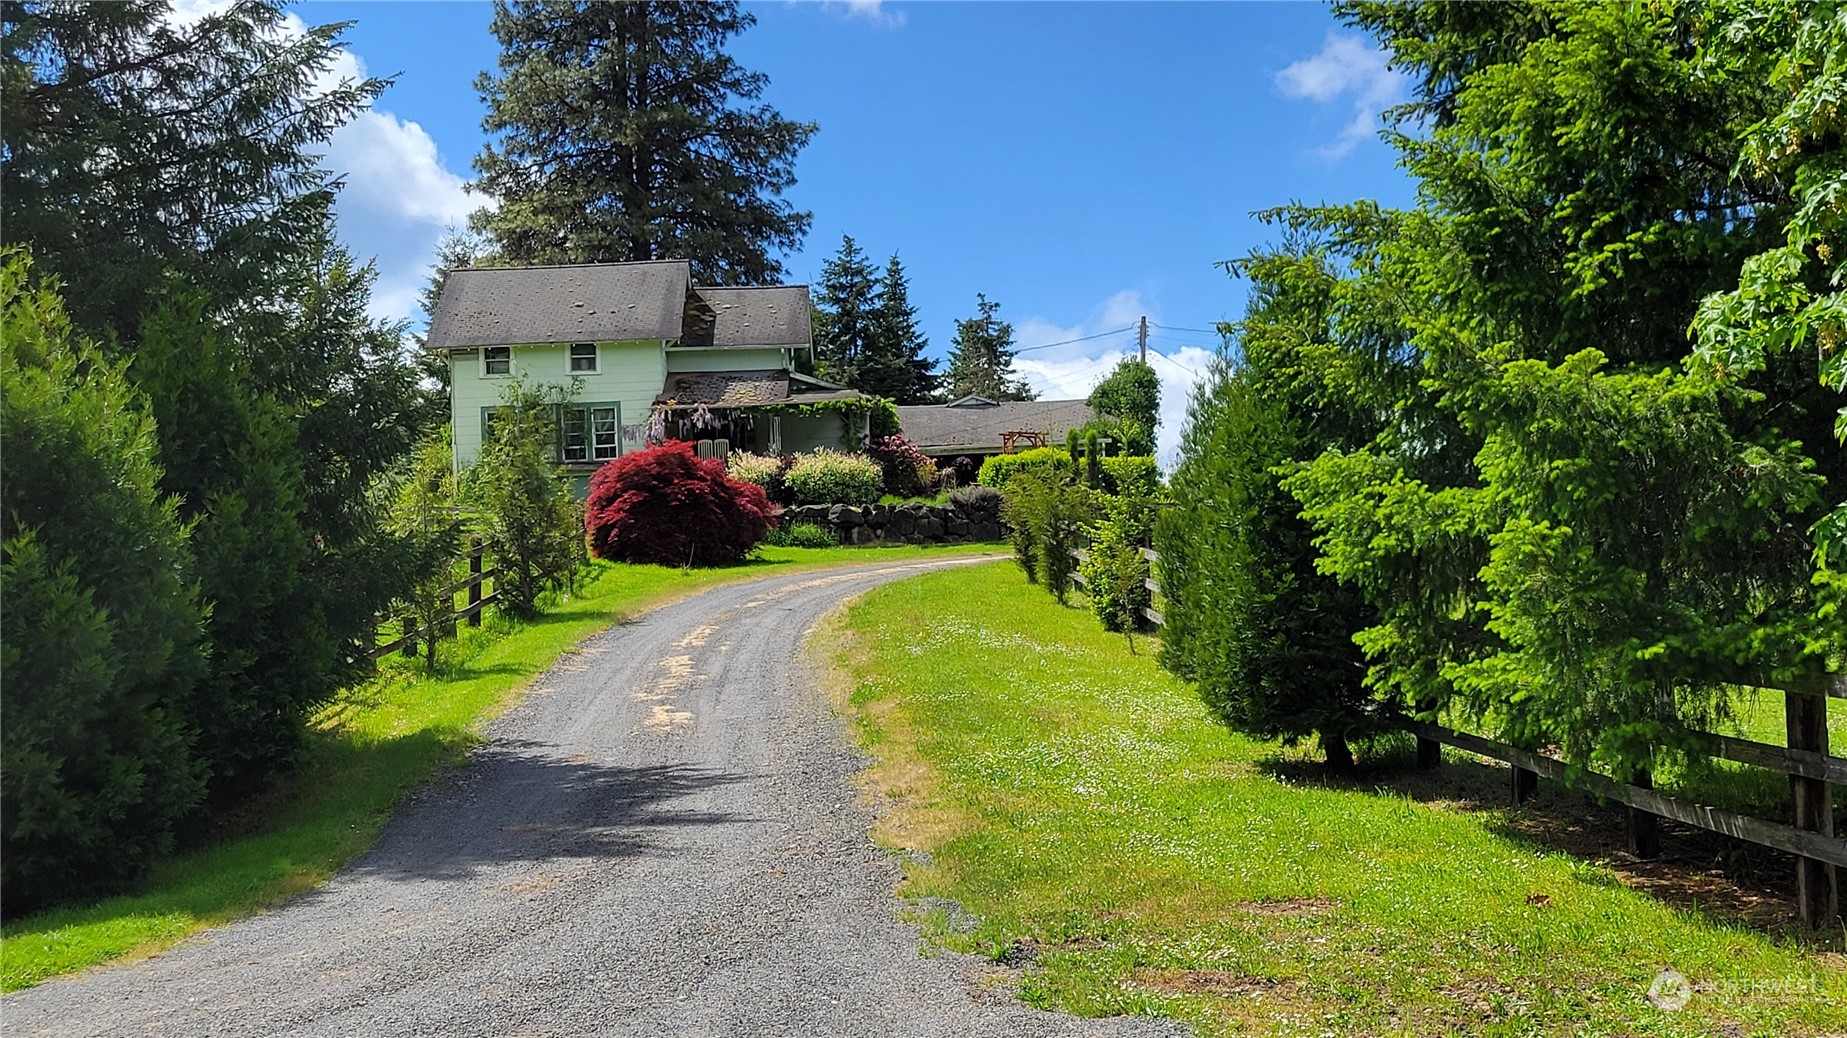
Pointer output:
x,y
1806,760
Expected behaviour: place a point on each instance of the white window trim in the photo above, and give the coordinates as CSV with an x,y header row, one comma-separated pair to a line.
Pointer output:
x,y
512,366
596,359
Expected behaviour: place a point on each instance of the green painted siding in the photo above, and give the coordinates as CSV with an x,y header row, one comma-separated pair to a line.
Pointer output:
x,y
628,373
724,360
803,434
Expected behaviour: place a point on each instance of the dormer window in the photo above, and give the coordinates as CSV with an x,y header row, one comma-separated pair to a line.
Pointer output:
x,y
496,360
583,358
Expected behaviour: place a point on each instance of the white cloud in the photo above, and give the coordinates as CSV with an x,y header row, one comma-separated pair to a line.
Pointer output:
x,y
873,11
1345,65
392,169
1062,369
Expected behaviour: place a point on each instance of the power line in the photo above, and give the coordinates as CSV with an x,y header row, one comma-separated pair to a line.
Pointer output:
x,y
1191,371
1067,342
1171,328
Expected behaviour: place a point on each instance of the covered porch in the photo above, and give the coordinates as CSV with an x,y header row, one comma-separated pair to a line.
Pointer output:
x,y
763,412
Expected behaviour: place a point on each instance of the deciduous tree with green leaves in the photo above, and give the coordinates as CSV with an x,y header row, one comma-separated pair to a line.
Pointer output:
x,y
1131,392
625,132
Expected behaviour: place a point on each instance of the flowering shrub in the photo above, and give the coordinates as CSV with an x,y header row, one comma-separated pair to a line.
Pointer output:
x,y
765,470
830,477
669,506
906,470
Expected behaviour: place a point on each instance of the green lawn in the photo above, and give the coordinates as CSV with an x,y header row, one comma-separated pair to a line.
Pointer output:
x,y
379,742
1100,831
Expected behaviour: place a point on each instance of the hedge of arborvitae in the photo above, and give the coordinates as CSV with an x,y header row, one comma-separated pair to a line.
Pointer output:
x,y
1565,436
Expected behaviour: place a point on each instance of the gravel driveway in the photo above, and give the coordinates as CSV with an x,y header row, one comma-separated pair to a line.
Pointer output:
x,y
663,839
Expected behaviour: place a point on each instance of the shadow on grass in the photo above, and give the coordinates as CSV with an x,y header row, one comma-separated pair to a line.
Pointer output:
x,y
1729,881
520,801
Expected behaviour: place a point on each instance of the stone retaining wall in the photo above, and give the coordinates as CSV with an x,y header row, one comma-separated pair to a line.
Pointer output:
x,y
914,523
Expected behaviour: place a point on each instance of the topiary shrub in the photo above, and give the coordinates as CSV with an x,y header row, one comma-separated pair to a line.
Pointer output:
x,y
828,477
666,505
1049,462
908,472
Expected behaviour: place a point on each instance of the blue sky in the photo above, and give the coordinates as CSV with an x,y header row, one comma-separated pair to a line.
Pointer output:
x,y
1082,164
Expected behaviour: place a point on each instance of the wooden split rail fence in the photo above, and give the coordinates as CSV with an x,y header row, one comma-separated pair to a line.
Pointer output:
x,y
1812,770
411,635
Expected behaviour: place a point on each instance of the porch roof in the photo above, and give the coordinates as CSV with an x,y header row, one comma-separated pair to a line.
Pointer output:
x,y
721,389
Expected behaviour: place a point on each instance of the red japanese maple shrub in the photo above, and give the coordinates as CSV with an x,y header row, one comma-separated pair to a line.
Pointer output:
x,y
667,505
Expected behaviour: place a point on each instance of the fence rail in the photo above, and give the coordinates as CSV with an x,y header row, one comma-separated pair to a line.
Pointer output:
x,y
1811,768
411,635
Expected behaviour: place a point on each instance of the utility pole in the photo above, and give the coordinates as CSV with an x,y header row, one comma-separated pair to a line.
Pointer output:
x,y
1144,339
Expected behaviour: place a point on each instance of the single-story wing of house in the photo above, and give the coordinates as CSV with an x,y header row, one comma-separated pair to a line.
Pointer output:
x,y
976,427
651,355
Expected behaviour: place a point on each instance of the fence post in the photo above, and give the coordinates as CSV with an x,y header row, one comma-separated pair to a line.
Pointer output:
x,y
474,580
1429,754
1644,830
1525,784
410,634
1817,892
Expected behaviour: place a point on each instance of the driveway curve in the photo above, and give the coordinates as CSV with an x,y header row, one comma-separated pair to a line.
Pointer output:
x,y
663,838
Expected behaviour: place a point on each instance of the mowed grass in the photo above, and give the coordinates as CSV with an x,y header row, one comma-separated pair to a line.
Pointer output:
x,y
1100,831
377,743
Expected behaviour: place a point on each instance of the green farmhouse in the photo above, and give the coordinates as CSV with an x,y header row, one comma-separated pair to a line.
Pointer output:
x,y
646,355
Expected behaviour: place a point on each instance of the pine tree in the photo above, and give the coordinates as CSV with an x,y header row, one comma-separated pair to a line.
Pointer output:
x,y
622,132
981,363
845,304
894,366
136,145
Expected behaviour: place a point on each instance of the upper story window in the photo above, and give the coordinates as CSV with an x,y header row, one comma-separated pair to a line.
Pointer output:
x,y
496,360
583,358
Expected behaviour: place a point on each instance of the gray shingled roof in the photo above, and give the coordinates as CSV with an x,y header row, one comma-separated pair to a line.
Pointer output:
x,y
977,427
772,316
597,302
724,388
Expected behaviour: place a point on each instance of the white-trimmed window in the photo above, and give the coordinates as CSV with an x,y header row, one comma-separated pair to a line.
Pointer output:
x,y
496,361
583,358
590,433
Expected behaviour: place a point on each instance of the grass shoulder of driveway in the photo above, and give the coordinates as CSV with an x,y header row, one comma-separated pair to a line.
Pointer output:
x,y
1075,814
375,744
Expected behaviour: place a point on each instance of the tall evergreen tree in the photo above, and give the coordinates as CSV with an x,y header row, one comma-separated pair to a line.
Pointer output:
x,y
894,366
982,361
625,132
102,629
137,145
845,304
232,465
149,159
